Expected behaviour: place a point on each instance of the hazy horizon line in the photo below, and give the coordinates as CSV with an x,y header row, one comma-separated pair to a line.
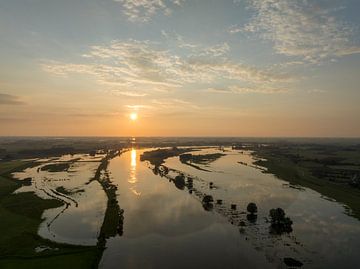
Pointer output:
x,y
190,136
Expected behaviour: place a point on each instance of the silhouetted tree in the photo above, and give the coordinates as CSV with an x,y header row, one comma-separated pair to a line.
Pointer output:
x,y
180,182
207,202
279,222
252,208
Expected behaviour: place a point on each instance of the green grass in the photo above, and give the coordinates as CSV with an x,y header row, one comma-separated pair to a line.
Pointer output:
x,y
296,174
56,167
10,166
200,159
63,190
204,159
25,204
158,156
72,260
20,216
113,219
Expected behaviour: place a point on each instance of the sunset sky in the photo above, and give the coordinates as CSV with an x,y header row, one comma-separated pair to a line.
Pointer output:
x,y
185,67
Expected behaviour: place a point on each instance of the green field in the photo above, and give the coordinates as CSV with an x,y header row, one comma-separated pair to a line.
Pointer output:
x,y
20,216
296,163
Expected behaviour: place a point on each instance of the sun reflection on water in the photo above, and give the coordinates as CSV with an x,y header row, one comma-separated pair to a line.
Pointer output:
x,y
135,192
132,178
133,159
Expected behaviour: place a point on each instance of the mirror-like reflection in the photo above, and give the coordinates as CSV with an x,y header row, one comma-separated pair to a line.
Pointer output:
x,y
213,214
80,219
132,178
133,159
164,221
168,223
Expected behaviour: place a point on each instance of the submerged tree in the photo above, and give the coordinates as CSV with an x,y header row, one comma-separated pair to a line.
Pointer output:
x,y
252,208
180,182
208,199
189,183
207,202
279,222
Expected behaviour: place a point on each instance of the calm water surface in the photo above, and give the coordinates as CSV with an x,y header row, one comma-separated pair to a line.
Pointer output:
x,y
79,220
167,227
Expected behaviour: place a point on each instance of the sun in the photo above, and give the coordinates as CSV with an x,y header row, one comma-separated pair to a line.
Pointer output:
x,y
133,116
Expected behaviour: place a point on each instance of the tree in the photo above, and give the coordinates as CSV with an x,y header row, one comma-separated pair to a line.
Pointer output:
x,y
252,208
207,202
277,215
279,222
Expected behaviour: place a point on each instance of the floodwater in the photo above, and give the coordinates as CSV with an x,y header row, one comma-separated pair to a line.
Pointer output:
x,y
166,225
79,220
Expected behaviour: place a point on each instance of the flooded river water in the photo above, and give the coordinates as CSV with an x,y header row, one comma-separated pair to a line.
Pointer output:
x,y
167,225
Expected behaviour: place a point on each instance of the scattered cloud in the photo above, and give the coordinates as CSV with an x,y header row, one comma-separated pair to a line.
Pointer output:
x,y
233,29
308,30
174,103
163,104
243,90
196,49
179,40
128,93
217,90
316,91
8,99
145,10
129,66
94,115
138,107
217,50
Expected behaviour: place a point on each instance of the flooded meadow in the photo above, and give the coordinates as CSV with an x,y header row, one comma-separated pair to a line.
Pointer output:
x,y
192,213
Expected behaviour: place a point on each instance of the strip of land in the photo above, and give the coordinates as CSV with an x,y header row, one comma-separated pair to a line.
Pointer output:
x,y
199,159
113,219
158,156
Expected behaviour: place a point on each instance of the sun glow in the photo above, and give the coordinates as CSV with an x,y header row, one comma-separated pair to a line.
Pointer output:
x,y
133,116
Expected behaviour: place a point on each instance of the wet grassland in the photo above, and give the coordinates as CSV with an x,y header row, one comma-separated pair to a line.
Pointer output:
x,y
332,170
22,213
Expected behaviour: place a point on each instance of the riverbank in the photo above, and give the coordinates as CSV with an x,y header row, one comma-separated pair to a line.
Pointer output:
x,y
113,218
301,173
